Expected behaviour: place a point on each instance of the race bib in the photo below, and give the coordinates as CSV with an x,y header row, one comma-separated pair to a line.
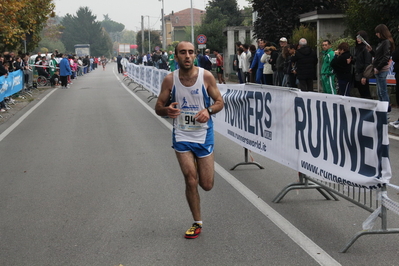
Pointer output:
x,y
187,122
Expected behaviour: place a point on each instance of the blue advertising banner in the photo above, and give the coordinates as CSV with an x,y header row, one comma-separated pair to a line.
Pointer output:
x,y
11,84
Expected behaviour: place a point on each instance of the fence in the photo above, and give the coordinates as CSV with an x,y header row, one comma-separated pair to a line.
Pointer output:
x,y
339,144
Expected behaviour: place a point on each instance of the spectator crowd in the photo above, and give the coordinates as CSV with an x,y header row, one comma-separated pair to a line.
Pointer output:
x,y
58,69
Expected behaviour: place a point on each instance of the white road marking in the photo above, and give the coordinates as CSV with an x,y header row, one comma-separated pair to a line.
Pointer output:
x,y
317,253
22,118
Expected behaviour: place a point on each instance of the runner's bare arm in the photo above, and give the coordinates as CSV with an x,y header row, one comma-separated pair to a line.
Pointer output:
x,y
163,98
213,91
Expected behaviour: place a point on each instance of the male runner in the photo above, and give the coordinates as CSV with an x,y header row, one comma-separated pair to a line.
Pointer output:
x,y
192,89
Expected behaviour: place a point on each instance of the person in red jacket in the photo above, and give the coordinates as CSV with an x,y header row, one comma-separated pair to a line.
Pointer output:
x,y
219,67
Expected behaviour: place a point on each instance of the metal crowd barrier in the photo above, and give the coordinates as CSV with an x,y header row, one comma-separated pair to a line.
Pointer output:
x,y
139,87
375,201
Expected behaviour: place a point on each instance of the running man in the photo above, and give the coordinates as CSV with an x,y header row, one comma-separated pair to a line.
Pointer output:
x,y
192,89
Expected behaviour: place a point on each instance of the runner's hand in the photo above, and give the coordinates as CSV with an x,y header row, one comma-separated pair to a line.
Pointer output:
x,y
173,112
202,116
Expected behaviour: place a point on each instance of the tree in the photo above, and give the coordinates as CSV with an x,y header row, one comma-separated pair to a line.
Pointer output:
x,y
111,26
360,15
84,29
213,31
154,38
277,18
223,10
51,36
23,20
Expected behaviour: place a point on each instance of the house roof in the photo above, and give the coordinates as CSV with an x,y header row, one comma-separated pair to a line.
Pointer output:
x,y
183,18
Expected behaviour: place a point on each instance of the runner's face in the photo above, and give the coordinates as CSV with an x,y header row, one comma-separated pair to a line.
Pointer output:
x,y
185,55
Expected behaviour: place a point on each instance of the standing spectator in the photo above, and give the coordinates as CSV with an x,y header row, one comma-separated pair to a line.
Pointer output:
x,y
95,62
236,62
118,62
306,61
206,61
362,58
267,66
65,71
27,71
219,67
242,64
273,61
279,73
199,58
18,65
287,67
92,64
171,61
248,57
382,55
257,64
86,64
327,73
395,59
144,59
292,73
252,72
3,72
52,65
341,64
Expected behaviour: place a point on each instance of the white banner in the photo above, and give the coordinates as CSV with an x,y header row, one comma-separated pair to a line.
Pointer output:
x,y
332,138
329,137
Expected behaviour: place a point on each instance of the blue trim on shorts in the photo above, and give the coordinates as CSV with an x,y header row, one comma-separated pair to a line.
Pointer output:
x,y
199,150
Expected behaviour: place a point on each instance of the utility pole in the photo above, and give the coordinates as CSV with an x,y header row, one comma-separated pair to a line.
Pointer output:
x,y
163,27
192,23
149,40
142,35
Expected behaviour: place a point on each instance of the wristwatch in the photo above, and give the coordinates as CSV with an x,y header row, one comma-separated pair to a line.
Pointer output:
x,y
209,110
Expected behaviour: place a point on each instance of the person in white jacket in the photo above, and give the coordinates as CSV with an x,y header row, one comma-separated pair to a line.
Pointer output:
x,y
267,67
243,64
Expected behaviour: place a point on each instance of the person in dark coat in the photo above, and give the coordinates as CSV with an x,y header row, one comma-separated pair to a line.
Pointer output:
x,y
306,60
361,59
342,67
119,63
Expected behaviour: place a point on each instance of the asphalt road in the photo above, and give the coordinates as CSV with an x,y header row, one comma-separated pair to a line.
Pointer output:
x,y
88,177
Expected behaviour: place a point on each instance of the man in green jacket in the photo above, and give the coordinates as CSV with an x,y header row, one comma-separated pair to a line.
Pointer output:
x,y
327,74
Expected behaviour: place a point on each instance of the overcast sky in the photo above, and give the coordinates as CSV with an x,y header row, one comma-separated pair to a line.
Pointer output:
x,y
129,12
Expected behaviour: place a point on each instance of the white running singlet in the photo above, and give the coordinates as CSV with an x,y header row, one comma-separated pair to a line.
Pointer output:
x,y
191,100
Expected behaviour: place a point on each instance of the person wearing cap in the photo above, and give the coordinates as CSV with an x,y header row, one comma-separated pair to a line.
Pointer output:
x,y
327,73
279,73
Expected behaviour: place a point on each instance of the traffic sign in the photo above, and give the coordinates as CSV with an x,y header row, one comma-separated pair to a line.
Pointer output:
x,y
201,46
201,39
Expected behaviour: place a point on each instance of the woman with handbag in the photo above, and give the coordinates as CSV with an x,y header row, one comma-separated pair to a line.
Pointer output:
x,y
361,59
382,56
